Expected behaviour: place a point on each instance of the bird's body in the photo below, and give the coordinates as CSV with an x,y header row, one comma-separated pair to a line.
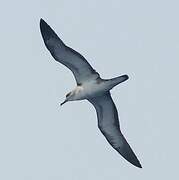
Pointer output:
x,y
92,87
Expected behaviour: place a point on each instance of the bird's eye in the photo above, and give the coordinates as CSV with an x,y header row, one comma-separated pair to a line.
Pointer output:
x,y
67,94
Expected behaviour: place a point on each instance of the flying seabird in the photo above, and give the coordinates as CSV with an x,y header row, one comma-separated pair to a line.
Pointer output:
x,y
93,88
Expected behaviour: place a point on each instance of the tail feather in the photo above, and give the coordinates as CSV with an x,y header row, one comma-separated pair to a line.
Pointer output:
x,y
117,80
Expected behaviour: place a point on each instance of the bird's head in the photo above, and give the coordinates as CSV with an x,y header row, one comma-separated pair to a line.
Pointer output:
x,y
69,97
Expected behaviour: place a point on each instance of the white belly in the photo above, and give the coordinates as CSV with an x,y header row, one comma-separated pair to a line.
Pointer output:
x,y
89,89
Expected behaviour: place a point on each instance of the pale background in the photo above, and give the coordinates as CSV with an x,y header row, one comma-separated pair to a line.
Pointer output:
x,y
39,140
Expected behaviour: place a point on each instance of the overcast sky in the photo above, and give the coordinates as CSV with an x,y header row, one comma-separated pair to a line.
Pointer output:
x,y
39,140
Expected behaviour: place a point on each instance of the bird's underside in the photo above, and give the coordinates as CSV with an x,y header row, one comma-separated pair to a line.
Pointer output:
x,y
107,114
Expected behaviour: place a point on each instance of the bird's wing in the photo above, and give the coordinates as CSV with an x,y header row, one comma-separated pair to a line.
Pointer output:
x,y
108,123
81,69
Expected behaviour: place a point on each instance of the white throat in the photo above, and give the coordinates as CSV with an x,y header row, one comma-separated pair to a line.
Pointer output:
x,y
78,89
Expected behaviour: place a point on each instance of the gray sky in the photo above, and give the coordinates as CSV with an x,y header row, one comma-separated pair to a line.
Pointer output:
x,y
41,140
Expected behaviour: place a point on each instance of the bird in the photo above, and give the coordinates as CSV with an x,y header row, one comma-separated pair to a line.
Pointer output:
x,y
90,86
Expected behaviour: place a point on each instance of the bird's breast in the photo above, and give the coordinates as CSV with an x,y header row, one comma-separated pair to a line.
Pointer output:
x,y
89,89
94,88
79,93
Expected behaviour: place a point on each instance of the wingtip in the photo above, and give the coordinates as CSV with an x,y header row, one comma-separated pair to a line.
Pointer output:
x,y
43,24
46,31
128,154
134,161
140,166
137,164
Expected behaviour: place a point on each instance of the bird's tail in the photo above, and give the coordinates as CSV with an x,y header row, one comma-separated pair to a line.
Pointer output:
x,y
117,80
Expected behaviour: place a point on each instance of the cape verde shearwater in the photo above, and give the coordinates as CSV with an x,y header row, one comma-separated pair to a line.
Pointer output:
x,y
93,88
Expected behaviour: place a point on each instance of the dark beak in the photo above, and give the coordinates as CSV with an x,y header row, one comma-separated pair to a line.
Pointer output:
x,y
63,102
